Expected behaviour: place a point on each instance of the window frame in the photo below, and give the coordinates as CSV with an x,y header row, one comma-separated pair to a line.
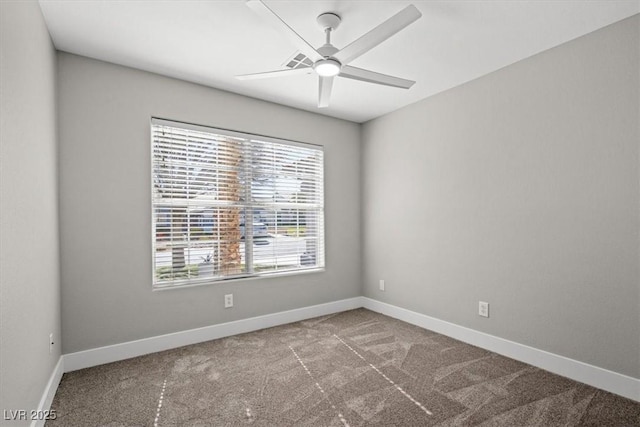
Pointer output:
x,y
246,275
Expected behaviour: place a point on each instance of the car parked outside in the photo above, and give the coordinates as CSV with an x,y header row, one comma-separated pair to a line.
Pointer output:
x,y
259,230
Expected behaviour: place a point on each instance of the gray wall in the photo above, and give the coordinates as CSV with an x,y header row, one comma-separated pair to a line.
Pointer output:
x,y
105,205
29,274
520,189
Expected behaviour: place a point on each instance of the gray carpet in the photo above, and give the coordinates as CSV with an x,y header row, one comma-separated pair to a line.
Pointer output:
x,y
350,369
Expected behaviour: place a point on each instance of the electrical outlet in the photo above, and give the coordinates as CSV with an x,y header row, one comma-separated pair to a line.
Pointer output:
x,y
51,343
228,301
483,309
381,285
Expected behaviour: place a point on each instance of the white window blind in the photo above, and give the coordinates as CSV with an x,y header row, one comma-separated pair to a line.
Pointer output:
x,y
229,205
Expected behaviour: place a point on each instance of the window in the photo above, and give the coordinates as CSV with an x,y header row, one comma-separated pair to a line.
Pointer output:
x,y
229,205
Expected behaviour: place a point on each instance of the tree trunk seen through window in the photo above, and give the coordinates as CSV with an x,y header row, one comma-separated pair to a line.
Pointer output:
x,y
230,190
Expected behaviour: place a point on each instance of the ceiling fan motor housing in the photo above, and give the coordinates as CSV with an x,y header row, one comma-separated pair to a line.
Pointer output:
x,y
327,50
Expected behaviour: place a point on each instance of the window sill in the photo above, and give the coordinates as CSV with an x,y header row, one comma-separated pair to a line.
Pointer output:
x,y
206,282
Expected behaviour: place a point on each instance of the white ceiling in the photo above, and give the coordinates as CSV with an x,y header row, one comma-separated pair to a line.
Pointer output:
x,y
209,42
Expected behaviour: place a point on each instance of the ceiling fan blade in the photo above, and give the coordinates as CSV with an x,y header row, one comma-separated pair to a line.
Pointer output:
x,y
379,34
373,77
269,15
276,73
326,83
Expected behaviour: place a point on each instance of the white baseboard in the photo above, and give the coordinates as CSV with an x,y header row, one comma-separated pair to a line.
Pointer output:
x,y
579,371
613,382
113,353
49,391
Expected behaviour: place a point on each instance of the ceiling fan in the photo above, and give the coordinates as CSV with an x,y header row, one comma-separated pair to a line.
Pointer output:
x,y
327,61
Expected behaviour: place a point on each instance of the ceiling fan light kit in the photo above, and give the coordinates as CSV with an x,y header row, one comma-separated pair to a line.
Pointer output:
x,y
327,67
329,61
